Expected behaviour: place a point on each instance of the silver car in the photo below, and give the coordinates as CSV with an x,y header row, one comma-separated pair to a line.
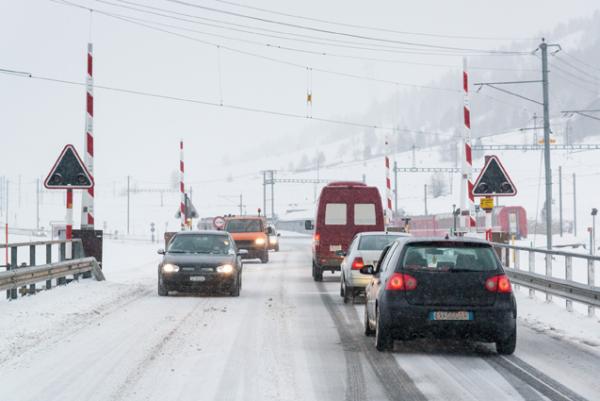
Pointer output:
x,y
365,249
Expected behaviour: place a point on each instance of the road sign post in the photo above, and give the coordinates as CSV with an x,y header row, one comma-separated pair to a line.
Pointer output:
x,y
69,172
493,181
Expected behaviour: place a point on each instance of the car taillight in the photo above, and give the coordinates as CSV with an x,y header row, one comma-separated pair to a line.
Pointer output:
x,y
358,263
317,238
499,284
401,282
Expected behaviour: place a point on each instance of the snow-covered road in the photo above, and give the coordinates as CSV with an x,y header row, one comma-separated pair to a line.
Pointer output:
x,y
285,338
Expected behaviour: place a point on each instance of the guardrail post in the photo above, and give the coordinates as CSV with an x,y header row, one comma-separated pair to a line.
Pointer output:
x,y
532,270
569,277
548,260
48,261
517,259
13,265
32,263
76,254
63,250
591,281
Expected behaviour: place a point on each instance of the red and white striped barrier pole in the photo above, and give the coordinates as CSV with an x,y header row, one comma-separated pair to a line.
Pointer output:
x,y
467,200
87,204
69,228
388,186
182,186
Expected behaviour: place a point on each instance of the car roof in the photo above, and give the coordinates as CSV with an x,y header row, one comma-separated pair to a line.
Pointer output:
x,y
196,232
464,240
392,233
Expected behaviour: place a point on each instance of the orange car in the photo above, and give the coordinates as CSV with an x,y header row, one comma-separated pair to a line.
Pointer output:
x,y
250,233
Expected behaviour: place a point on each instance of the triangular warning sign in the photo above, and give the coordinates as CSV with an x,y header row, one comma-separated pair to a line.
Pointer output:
x,y
494,180
190,209
69,172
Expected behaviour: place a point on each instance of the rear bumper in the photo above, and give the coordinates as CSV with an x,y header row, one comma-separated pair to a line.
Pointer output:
x,y
412,321
328,262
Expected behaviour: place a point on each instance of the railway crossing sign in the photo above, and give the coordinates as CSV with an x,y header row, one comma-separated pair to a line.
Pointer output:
x,y
493,180
69,172
219,222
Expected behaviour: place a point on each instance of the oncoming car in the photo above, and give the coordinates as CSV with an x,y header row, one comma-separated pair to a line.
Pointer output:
x,y
199,261
250,233
364,249
273,238
440,288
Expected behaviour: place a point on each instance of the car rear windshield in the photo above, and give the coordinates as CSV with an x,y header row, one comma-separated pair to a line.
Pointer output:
x,y
375,242
243,226
364,214
207,243
449,256
335,214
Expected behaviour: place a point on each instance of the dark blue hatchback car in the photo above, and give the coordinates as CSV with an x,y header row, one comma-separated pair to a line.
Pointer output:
x,y
442,288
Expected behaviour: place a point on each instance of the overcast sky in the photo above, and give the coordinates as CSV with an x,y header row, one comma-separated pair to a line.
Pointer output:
x,y
138,135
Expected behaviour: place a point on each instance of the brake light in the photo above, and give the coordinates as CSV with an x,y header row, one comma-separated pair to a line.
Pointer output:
x,y
401,282
500,283
317,238
358,263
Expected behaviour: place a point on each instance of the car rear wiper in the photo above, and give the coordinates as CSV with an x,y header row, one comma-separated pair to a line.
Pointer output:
x,y
460,270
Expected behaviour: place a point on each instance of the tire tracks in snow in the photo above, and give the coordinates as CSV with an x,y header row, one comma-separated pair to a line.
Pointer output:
x,y
512,367
395,381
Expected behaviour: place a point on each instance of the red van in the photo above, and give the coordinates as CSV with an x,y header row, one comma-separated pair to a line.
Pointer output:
x,y
344,209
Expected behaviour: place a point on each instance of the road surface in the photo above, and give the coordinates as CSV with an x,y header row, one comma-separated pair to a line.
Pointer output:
x,y
285,338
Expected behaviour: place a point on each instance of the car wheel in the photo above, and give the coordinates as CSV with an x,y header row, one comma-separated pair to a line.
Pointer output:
x,y
507,347
265,257
317,273
368,330
383,338
277,248
162,288
235,291
347,292
342,286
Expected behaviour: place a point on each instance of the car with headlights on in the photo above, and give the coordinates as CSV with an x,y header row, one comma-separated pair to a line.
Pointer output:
x,y
364,249
273,238
441,288
250,233
201,261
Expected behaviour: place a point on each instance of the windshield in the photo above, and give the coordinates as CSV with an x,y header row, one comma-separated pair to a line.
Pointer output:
x,y
214,244
449,257
375,242
243,226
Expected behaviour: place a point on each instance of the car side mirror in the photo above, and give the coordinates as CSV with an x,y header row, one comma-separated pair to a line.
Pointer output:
x,y
368,269
340,253
242,252
161,251
270,230
308,225
279,234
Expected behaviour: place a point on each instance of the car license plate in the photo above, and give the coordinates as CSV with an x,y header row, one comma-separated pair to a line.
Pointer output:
x,y
197,278
335,248
444,315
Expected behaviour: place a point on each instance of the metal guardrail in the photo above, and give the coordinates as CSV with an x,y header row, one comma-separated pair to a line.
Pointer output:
x,y
23,276
14,266
586,293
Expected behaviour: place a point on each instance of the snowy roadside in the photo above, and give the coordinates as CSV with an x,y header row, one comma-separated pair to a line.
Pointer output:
x,y
130,270
554,320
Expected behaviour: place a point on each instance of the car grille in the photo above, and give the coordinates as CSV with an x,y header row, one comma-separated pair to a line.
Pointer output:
x,y
244,243
204,267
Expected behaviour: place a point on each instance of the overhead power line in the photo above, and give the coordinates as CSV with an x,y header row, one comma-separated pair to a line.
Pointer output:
x,y
217,104
371,28
460,50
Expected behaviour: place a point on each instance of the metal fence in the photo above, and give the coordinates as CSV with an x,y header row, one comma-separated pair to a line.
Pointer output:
x,y
569,275
22,274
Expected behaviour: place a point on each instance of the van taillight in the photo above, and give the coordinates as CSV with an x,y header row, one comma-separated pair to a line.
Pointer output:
x,y
317,238
499,284
358,263
401,282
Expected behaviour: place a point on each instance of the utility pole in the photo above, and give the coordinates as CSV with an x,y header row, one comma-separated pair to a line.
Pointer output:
x,y
414,156
396,186
560,201
425,199
272,194
264,193
574,206
128,205
547,166
241,205
37,204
